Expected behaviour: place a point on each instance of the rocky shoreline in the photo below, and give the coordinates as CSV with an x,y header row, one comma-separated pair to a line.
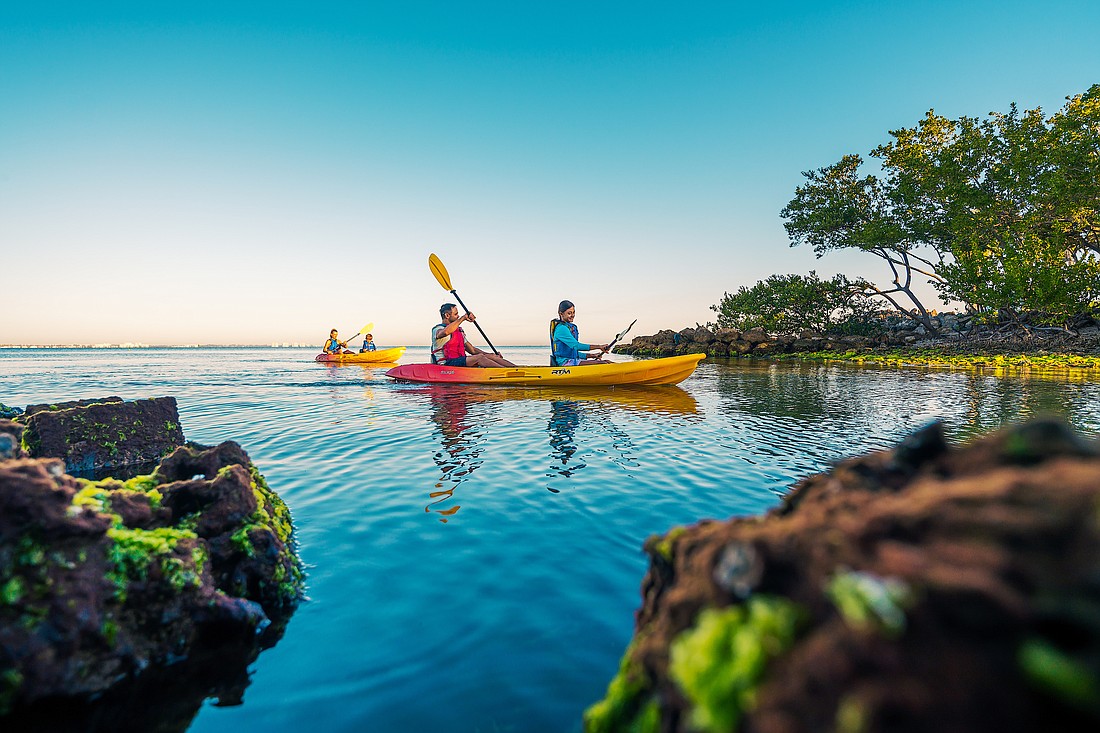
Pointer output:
x,y
952,336
111,587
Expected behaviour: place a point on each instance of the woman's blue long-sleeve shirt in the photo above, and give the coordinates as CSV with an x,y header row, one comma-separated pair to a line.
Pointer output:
x,y
561,333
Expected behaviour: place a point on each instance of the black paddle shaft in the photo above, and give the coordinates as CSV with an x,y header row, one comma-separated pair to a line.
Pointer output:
x,y
476,323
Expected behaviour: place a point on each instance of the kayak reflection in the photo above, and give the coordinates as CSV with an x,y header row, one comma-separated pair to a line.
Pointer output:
x,y
668,399
462,415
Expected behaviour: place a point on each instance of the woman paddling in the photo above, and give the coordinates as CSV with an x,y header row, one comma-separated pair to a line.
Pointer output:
x,y
565,348
334,345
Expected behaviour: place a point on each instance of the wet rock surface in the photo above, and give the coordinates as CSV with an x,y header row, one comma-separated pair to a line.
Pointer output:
x,y
99,437
125,604
928,587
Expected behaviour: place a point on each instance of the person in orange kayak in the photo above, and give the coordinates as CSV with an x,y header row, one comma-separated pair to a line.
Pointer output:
x,y
450,346
565,348
334,345
368,344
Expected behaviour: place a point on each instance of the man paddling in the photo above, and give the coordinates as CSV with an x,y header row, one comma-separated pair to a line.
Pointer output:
x,y
450,346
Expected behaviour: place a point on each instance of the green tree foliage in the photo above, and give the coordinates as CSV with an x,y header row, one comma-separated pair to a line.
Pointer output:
x,y
787,304
1001,213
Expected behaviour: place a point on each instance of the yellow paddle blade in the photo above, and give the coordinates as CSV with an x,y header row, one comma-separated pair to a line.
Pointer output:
x,y
440,272
366,328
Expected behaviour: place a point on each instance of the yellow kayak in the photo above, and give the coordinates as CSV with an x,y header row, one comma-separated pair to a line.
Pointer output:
x,y
669,370
382,356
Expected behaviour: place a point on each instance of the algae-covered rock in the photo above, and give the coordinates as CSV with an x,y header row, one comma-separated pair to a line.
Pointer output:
x,y
92,436
928,587
105,583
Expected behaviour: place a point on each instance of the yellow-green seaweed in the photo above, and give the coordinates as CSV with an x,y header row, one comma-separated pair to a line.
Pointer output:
x,y
624,707
719,662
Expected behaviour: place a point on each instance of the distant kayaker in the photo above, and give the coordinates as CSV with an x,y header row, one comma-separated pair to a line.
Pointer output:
x,y
450,346
334,345
565,347
368,344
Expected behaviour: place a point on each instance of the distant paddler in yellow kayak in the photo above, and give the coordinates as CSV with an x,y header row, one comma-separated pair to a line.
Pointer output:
x,y
335,350
334,345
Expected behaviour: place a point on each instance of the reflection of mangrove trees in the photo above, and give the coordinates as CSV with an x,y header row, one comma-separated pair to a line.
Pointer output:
x,y
799,391
839,395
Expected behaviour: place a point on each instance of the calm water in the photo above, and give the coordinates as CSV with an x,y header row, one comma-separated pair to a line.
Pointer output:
x,y
474,553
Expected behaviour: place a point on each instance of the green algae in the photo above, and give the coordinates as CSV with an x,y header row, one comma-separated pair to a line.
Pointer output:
x,y
851,715
11,681
720,662
662,546
273,515
626,706
1050,669
1038,363
134,551
12,591
869,602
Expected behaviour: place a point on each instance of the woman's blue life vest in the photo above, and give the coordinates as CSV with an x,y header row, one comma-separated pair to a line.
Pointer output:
x,y
332,346
447,347
560,352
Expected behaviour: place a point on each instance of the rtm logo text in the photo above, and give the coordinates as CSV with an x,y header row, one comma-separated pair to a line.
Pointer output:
x,y
559,371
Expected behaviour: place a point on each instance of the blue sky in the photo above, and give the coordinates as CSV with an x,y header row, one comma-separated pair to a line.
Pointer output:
x,y
259,173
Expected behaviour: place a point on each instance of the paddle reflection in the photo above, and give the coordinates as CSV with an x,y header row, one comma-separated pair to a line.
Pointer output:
x,y
460,455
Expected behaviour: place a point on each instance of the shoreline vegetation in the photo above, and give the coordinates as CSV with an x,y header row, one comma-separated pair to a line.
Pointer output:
x,y
897,344
945,357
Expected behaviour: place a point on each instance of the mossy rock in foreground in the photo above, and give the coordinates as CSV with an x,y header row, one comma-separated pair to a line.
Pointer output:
x,y
927,587
103,581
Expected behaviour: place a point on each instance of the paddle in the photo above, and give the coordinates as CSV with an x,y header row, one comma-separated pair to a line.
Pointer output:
x,y
622,333
444,280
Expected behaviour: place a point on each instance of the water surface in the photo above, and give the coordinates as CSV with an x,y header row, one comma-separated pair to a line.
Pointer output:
x,y
474,553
